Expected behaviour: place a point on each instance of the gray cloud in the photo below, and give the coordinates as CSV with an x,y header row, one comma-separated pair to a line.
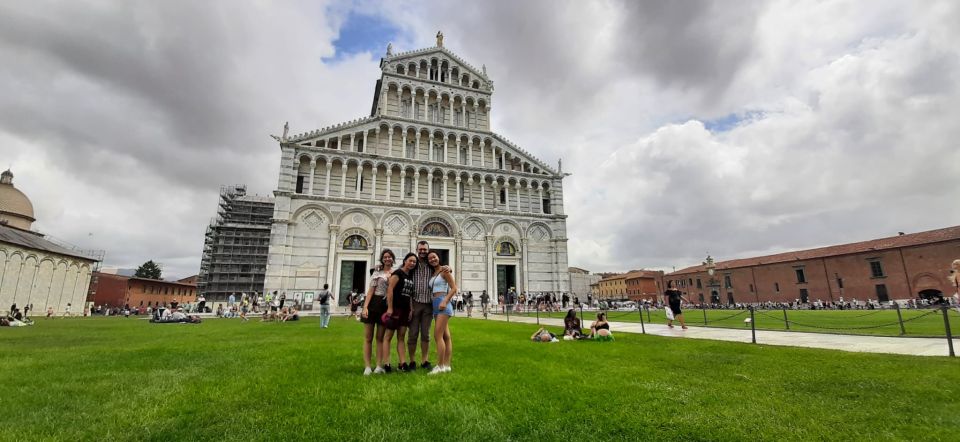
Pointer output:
x,y
122,119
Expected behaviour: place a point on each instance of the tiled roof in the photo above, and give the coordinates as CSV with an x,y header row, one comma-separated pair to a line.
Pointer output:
x,y
642,274
35,241
893,242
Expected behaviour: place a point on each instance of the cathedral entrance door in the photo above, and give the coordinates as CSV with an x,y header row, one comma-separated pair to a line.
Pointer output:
x,y
506,278
353,276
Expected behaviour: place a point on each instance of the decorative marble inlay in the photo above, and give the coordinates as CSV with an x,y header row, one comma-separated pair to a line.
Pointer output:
x,y
357,219
313,220
473,231
396,225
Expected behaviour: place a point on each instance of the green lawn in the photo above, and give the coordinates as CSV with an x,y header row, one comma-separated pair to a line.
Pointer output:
x,y
126,379
917,323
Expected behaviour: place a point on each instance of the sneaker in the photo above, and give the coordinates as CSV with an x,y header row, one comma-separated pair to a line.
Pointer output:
x,y
387,368
426,365
447,369
379,370
367,371
436,370
412,366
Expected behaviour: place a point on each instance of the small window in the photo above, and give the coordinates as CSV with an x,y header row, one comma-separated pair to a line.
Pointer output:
x,y
876,269
801,277
726,282
503,196
300,183
700,286
776,287
408,186
546,206
840,282
751,288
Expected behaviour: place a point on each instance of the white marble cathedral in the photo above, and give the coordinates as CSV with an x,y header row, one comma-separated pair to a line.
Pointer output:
x,y
423,165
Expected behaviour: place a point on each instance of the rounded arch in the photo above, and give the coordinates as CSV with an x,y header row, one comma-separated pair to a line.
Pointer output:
x,y
506,246
539,231
354,238
497,225
360,210
469,223
437,217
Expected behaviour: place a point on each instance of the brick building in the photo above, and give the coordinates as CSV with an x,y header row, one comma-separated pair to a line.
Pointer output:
x,y
901,267
612,286
117,290
643,284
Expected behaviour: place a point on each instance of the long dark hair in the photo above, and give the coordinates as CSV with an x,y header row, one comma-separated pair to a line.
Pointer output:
x,y
435,252
405,258
571,314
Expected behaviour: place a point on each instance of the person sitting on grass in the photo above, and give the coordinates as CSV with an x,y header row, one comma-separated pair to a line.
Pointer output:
x,y
290,314
572,328
542,335
600,329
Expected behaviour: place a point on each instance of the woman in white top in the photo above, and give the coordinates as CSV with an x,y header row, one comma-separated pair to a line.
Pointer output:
x,y
374,306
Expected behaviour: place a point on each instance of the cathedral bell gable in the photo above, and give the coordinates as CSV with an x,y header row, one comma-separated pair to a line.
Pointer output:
x,y
437,61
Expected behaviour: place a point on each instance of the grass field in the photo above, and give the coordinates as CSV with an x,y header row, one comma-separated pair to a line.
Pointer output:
x,y
126,379
917,323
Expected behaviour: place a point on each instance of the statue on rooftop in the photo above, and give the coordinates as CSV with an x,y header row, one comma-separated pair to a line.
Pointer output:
x,y
389,49
560,165
439,39
484,66
286,130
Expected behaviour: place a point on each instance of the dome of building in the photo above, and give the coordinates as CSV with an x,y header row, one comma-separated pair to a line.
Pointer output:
x,y
15,208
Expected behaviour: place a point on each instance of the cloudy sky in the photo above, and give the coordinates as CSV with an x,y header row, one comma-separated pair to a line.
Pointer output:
x,y
734,128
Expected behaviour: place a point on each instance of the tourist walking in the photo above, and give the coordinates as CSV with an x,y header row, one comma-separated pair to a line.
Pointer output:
x,y
673,298
374,306
444,289
324,298
468,300
400,292
484,303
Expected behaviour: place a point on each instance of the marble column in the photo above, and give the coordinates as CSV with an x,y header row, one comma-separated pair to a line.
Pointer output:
x,y
390,143
332,259
525,265
506,196
376,142
373,184
430,188
444,191
446,141
461,195
403,184
416,146
403,148
326,190
416,188
343,181
389,180
483,194
517,187
313,171
540,199
356,188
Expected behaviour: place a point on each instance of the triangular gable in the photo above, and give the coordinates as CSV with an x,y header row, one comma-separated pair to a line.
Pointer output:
x,y
426,52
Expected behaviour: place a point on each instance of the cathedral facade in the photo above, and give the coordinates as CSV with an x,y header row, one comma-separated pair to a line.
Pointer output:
x,y
423,166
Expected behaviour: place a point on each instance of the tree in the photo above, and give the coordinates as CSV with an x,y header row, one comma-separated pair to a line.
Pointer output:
x,y
149,270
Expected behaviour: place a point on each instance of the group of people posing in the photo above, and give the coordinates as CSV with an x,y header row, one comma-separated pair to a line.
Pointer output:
x,y
408,298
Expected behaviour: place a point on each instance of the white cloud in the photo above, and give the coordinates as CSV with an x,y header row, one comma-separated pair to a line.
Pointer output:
x,y
122,120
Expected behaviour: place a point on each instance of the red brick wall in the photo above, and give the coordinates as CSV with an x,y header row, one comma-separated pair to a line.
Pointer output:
x,y
906,271
107,289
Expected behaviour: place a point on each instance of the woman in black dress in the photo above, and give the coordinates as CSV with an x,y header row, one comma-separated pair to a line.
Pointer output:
x,y
674,297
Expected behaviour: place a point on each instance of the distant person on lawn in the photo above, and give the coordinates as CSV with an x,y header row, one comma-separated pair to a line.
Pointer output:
x,y
673,298
324,297
542,335
571,325
600,329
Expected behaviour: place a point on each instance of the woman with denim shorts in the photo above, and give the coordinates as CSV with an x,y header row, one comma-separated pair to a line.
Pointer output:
x,y
444,288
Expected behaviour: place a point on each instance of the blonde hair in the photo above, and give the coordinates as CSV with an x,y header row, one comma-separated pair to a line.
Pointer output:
x,y
954,277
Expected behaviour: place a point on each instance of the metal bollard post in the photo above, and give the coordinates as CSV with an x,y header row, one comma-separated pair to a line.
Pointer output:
x,y
903,331
785,321
647,307
946,325
538,316
703,307
643,327
507,312
581,315
753,327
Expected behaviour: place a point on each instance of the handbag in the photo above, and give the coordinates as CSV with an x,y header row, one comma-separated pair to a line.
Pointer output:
x,y
669,312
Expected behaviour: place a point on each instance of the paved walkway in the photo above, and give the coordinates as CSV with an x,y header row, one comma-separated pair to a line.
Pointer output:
x,y
867,344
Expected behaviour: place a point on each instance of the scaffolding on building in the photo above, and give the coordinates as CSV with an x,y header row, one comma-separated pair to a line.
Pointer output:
x,y
235,245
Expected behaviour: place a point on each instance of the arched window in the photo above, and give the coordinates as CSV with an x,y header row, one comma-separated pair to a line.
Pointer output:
x,y
355,242
437,188
436,227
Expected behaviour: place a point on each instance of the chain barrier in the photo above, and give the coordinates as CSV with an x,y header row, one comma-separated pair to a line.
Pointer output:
x,y
864,327
742,312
